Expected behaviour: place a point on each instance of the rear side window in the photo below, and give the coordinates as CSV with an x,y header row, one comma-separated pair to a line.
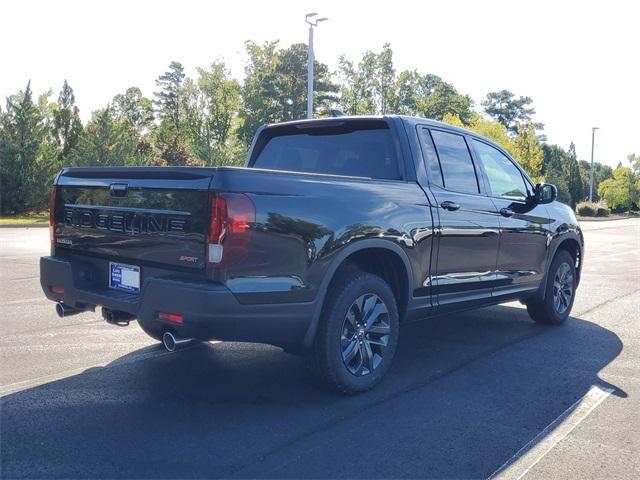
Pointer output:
x,y
431,158
359,152
458,171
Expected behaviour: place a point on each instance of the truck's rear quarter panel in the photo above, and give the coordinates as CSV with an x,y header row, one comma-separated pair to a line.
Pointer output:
x,y
304,220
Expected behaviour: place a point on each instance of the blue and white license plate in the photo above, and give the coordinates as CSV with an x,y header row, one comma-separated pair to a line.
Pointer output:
x,y
124,277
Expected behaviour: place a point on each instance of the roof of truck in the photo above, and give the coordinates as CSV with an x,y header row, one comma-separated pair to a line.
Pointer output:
x,y
363,118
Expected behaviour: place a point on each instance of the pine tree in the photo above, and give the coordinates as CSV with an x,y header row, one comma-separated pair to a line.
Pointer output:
x,y
67,126
571,172
22,133
168,97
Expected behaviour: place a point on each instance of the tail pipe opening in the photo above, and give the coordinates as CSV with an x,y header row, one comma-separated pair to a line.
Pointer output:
x,y
64,310
172,342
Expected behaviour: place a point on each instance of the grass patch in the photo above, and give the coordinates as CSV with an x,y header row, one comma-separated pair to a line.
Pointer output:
x,y
26,219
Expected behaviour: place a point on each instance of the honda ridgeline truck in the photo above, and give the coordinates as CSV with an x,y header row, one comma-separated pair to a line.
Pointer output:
x,y
335,233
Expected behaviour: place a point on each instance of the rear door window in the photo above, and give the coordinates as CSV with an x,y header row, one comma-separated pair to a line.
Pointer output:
x,y
458,171
358,152
431,158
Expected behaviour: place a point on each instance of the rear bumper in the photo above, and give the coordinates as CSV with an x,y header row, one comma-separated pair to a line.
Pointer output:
x,y
210,310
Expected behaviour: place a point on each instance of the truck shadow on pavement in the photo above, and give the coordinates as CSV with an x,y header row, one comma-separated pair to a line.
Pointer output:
x,y
464,394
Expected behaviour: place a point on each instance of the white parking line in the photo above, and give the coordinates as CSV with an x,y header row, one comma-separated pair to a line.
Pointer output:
x,y
528,456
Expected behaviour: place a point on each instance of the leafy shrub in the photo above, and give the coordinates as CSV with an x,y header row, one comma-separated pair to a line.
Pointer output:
x,y
602,211
586,209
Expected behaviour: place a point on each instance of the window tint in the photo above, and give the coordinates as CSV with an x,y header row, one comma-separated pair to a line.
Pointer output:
x,y
457,167
336,151
505,180
431,158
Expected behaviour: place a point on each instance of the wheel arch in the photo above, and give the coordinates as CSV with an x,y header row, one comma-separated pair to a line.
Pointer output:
x,y
571,243
391,263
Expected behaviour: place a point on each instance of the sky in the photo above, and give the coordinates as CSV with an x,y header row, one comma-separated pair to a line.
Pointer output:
x,y
579,61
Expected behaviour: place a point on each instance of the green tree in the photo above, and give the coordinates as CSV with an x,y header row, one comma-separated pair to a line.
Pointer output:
x,y
109,140
571,172
275,87
168,137
371,86
135,108
357,84
444,99
384,80
23,181
504,107
554,171
210,109
528,152
621,190
67,126
600,173
168,97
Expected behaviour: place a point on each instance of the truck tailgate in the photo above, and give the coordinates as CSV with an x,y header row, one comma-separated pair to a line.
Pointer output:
x,y
153,215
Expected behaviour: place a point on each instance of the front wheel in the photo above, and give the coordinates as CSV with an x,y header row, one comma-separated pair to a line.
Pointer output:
x,y
358,333
560,292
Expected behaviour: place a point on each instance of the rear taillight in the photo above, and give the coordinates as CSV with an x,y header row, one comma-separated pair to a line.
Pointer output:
x,y
232,215
171,317
52,215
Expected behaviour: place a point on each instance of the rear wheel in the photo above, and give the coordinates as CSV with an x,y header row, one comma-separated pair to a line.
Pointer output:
x,y
358,333
560,292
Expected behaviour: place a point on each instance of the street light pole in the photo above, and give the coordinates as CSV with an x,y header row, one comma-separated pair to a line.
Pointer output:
x,y
310,59
593,134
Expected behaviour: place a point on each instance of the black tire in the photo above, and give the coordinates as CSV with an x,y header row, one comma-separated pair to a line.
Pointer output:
x,y
348,327
155,334
555,308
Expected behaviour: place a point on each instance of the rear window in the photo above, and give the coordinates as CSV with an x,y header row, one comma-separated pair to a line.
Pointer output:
x,y
344,150
455,161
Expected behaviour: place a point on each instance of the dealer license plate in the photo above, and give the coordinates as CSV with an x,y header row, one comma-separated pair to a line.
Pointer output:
x,y
124,277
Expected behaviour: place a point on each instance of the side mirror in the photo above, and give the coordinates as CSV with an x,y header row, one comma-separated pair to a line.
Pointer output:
x,y
545,193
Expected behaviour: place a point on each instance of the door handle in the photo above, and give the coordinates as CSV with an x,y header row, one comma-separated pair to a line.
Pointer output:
x,y
506,212
448,205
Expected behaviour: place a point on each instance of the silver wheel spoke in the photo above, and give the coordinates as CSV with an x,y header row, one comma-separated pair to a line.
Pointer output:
x,y
381,341
350,351
367,355
374,315
381,329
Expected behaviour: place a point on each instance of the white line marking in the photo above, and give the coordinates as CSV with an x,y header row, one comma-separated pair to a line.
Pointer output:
x,y
528,456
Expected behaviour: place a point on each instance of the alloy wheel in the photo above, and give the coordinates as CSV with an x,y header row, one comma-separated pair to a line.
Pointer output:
x,y
365,334
562,288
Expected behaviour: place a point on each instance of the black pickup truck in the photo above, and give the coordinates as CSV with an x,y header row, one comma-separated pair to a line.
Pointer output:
x,y
335,232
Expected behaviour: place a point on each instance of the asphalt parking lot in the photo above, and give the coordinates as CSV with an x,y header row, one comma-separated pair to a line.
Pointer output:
x,y
473,395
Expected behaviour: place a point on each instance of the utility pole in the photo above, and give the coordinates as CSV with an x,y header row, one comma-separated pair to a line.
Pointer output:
x,y
310,59
593,134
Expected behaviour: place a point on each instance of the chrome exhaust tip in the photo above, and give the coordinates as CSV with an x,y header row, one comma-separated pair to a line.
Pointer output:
x,y
172,342
64,310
